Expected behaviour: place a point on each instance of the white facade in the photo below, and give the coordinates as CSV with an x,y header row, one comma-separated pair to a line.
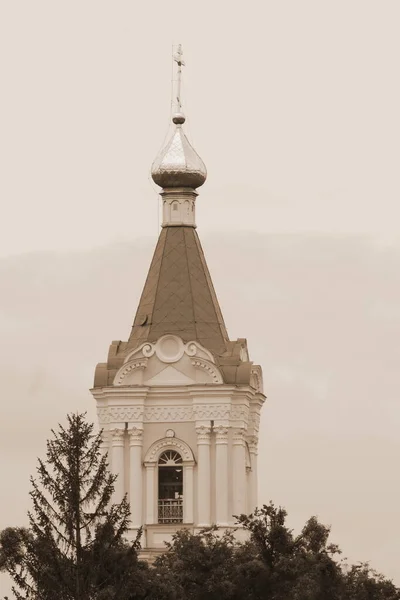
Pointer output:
x,y
168,402
179,402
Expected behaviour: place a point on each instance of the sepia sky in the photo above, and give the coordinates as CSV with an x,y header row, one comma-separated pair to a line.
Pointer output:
x,y
294,108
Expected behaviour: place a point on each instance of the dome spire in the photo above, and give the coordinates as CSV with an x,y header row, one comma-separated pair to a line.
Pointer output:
x,y
178,169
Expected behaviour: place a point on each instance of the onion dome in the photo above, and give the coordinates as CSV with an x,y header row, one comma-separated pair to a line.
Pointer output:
x,y
178,164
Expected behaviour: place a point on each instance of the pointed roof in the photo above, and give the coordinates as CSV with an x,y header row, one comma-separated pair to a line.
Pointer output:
x,y
178,296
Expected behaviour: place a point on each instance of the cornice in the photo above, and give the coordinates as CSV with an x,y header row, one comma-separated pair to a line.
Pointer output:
x,y
141,391
130,391
141,404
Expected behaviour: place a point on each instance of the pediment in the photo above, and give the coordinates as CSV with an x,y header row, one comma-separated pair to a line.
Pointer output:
x,y
169,376
169,361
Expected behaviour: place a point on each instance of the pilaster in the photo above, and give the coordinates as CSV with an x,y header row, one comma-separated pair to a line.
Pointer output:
x,y
203,476
117,462
150,492
188,493
221,475
239,471
135,475
252,442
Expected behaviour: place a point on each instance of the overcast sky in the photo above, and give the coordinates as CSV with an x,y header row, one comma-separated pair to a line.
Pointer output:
x,y
294,107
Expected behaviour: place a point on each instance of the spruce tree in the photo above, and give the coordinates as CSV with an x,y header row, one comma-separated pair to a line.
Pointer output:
x,y
74,547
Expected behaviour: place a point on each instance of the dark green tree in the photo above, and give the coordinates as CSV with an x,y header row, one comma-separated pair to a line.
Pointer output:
x,y
74,547
363,583
199,566
273,564
302,567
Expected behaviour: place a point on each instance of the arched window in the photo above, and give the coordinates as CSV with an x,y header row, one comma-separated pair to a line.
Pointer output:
x,y
170,487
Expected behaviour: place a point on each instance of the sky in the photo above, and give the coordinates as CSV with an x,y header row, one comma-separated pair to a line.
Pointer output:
x,y
293,106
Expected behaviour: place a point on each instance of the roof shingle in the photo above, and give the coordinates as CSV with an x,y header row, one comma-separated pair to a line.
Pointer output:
x,y
178,296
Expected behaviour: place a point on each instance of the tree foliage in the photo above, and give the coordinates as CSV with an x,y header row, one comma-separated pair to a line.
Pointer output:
x,y
75,535
74,546
273,564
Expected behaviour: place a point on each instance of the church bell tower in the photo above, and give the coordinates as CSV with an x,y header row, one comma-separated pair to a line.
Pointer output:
x,y
179,402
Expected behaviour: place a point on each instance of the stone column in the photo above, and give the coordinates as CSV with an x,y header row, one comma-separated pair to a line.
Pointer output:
x,y
150,487
135,475
188,493
118,463
253,476
203,476
239,472
221,475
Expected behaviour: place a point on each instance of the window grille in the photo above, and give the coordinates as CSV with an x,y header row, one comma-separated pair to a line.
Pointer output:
x,y
170,487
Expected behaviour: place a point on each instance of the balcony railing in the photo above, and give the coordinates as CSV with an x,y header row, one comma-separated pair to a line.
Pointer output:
x,y
170,511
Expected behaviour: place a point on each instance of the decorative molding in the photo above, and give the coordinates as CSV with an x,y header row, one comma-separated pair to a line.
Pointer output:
x,y
135,436
203,434
191,349
127,368
240,413
170,433
148,350
211,411
168,444
254,421
195,349
252,442
126,413
210,369
173,414
102,415
169,348
117,436
177,414
221,434
163,414
238,436
120,414
256,379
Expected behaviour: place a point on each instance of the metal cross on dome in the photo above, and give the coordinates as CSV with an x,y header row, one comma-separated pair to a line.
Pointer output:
x,y
178,58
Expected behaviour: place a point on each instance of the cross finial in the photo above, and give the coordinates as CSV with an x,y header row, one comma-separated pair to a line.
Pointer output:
x,y
178,58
